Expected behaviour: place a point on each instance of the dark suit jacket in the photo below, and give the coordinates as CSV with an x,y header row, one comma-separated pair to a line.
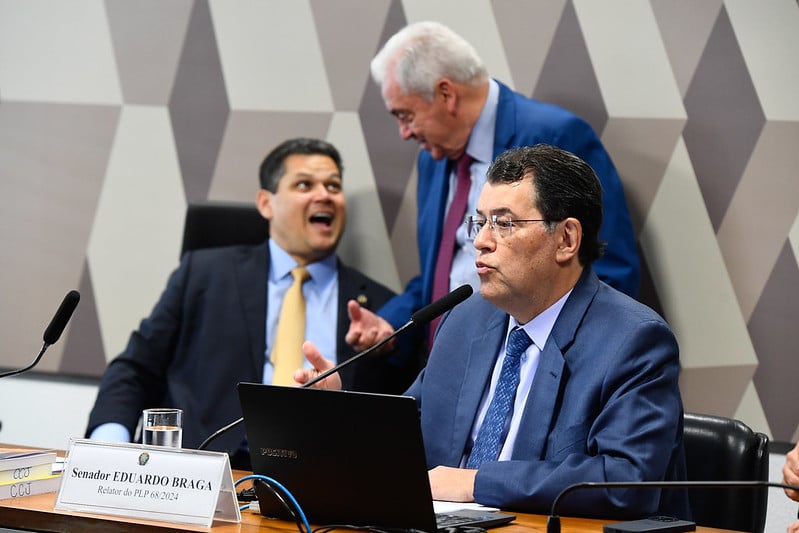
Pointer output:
x,y
207,333
604,406
522,121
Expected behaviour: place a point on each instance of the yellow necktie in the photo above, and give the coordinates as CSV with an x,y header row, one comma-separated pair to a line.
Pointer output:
x,y
287,353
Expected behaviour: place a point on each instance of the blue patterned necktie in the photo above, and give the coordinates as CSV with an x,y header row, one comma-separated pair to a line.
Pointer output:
x,y
486,446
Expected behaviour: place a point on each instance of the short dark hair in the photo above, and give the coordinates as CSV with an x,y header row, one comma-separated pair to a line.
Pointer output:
x,y
272,167
565,186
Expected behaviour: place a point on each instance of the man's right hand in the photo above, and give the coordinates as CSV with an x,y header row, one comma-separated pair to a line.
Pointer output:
x,y
366,328
321,364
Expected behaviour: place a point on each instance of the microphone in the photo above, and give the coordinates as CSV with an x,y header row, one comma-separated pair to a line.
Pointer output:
x,y
61,317
54,329
553,521
419,318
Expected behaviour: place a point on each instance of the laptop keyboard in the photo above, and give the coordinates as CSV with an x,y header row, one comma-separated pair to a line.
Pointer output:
x,y
482,519
452,520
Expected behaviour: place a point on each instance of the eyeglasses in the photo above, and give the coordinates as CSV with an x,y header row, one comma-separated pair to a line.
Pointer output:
x,y
501,225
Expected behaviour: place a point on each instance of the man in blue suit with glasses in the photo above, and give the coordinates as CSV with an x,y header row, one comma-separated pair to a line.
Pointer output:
x,y
548,376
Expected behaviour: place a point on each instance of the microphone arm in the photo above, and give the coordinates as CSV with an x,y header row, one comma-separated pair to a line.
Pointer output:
x,y
354,358
553,521
419,318
307,384
53,331
315,380
224,429
33,364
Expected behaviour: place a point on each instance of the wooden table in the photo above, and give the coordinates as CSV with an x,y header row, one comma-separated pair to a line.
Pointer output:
x,y
36,512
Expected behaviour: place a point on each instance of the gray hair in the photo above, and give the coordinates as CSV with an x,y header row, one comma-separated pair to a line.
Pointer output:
x,y
424,52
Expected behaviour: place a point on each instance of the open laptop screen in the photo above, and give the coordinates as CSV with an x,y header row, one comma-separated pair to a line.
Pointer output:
x,y
347,457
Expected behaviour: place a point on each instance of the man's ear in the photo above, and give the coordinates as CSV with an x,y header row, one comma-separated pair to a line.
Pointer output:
x,y
448,92
571,235
263,200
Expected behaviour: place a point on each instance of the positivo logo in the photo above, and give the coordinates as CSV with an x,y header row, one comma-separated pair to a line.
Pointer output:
x,y
279,452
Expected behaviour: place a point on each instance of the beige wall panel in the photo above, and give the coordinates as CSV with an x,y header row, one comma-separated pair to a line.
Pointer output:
x,y
366,244
767,33
348,52
472,19
248,138
751,410
52,163
715,390
57,52
690,275
270,55
685,26
527,28
403,238
794,236
750,240
148,36
641,149
139,223
636,79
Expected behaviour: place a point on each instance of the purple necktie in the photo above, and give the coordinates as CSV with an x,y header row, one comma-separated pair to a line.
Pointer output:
x,y
487,444
446,250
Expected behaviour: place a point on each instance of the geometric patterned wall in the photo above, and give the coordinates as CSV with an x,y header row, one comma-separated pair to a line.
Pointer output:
x,y
115,114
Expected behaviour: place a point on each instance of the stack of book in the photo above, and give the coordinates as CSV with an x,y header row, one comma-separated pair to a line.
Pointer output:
x,y
27,472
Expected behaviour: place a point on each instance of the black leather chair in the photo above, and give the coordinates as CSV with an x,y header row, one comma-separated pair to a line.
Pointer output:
x,y
210,224
723,449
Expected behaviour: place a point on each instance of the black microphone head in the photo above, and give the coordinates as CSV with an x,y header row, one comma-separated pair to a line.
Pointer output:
x,y
442,305
61,317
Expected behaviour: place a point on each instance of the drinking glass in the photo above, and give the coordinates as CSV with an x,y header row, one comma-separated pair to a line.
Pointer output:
x,y
163,427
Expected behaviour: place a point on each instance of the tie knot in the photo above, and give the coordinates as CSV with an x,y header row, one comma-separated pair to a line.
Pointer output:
x,y
300,274
518,342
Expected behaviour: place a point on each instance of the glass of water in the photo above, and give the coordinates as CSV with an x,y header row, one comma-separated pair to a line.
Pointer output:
x,y
163,427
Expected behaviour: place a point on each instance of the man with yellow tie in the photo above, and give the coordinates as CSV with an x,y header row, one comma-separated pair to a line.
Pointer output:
x,y
241,313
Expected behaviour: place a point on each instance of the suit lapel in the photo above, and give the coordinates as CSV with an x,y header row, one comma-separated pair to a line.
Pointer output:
x,y
540,407
440,189
480,360
545,391
505,128
431,199
434,220
348,288
252,268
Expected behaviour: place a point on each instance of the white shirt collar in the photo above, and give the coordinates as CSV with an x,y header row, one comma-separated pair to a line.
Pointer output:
x,y
539,328
281,263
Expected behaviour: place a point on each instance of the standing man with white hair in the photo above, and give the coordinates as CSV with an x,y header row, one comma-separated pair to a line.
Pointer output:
x,y
437,88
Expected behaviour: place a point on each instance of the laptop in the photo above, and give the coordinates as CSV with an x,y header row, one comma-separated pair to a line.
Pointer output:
x,y
347,458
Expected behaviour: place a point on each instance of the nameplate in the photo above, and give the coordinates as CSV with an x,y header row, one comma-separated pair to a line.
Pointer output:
x,y
174,485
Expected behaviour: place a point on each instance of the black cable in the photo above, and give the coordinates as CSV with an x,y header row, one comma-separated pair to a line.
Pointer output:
x,y
332,527
204,444
294,509
246,495
283,502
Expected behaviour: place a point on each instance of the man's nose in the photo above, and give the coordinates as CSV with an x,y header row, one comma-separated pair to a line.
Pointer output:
x,y
484,239
405,131
321,192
